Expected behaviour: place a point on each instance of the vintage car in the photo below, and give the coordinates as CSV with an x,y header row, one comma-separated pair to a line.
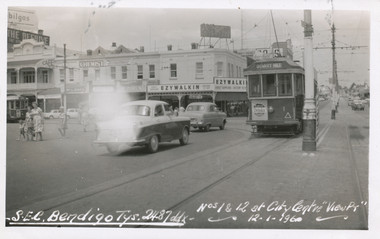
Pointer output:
x,y
350,100
142,123
204,115
53,114
72,113
357,105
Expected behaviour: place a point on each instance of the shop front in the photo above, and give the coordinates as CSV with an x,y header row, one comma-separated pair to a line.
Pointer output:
x,y
75,94
180,95
231,95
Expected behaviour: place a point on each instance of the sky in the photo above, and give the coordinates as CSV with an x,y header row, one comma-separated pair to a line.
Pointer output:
x,y
83,25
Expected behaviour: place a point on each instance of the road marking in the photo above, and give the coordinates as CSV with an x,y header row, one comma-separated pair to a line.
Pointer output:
x,y
323,132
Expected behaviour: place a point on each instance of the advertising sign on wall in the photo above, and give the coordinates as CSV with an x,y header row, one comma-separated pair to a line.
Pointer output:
x,y
22,19
211,30
17,36
180,88
230,84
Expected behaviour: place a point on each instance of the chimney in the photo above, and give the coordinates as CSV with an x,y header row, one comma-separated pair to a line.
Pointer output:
x,y
40,32
194,45
141,49
113,44
169,47
89,52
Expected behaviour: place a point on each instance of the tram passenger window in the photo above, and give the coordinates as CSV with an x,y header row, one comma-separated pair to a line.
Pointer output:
x,y
285,84
269,85
298,84
254,86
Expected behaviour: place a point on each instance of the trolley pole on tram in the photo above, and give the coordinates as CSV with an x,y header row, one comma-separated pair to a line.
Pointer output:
x,y
309,109
64,80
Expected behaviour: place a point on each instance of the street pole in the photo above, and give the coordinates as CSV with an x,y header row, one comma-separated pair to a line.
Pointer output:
x,y
333,108
309,109
64,81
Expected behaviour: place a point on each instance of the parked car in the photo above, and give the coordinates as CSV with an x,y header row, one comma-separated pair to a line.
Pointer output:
x,y
72,113
141,123
357,105
350,100
204,115
53,114
100,114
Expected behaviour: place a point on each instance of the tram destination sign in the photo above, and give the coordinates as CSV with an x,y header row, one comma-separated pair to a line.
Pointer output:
x,y
276,65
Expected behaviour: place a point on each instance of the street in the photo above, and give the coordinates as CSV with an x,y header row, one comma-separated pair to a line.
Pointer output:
x,y
221,179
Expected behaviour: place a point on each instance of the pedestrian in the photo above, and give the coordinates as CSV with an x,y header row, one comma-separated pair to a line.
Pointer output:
x,y
62,123
28,128
176,111
38,121
21,129
85,119
181,109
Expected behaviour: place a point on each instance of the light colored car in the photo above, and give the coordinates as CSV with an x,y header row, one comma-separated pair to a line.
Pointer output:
x,y
204,115
357,105
72,113
140,123
53,114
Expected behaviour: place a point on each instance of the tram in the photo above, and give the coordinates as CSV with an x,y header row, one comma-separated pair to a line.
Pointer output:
x,y
16,107
276,91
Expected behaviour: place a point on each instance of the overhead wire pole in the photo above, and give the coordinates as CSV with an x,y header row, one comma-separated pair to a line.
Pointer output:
x,y
333,105
64,80
309,111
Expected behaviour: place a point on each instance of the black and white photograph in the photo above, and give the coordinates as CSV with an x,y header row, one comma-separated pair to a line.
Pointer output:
x,y
213,119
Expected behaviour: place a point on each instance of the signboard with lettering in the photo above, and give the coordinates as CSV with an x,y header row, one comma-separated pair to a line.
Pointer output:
x,y
102,89
75,88
17,36
89,64
180,88
211,30
260,110
22,19
230,84
132,88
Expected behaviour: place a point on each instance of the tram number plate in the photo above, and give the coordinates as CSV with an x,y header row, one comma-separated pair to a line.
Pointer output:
x,y
259,110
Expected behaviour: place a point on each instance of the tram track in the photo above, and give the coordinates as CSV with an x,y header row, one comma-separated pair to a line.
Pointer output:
x,y
54,203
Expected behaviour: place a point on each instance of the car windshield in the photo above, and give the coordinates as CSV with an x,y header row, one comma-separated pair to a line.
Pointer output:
x,y
195,108
141,110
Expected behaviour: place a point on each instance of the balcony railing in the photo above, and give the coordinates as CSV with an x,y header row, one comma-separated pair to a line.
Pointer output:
x,y
30,86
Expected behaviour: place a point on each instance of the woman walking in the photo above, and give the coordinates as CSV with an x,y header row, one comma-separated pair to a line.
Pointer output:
x,y
62,123
38,120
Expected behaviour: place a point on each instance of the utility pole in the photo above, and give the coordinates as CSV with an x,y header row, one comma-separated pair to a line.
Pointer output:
x,y
309,109
333,105
64,80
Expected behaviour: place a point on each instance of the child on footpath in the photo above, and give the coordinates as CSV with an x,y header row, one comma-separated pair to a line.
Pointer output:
x,y
22,131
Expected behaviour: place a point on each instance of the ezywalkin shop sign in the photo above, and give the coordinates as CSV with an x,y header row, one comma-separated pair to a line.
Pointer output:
x,y
230,84
180,88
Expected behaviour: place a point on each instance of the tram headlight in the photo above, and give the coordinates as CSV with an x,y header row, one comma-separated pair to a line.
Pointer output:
x,y
270,109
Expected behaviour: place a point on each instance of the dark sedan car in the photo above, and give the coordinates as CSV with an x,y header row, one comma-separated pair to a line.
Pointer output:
x,y
205,115
141,123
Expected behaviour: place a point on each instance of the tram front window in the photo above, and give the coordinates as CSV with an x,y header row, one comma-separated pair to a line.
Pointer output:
x,y
285,84
269,85
254,86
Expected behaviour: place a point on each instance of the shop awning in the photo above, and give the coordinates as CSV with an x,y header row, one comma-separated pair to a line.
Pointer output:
x,y
231,96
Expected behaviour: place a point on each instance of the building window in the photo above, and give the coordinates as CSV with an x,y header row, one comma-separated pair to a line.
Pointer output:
x,y
139,72
85,75
219,69
232,70
199,70
229,70
29,76
71,74
13,77
124,72
97,74
152,72
173,70
237,72
45,77
113,73
62,75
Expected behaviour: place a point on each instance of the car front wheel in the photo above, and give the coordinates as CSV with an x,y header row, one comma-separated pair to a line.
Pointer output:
x,y
112,148
185,137
207,128
51,117
153,144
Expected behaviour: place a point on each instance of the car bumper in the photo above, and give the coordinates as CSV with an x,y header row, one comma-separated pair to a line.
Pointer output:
x,y
128,142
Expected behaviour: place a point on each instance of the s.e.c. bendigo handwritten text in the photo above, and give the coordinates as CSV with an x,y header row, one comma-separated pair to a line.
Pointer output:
x,y
216,212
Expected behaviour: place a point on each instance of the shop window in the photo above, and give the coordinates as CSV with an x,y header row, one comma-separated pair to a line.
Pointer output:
x,y
85,75
29,77
124,72
113,73
199,70
269,85
254,86
139,72
285,85
173,70
45,77
219,69
97,74
13,77
152,72
71,74
62,75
